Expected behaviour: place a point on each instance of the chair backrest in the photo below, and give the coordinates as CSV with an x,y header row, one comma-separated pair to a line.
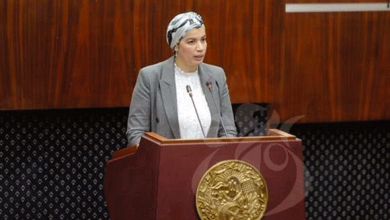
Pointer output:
x,y
251,118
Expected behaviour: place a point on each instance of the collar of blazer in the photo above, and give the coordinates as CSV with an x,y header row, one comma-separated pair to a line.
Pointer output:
x,y
168,93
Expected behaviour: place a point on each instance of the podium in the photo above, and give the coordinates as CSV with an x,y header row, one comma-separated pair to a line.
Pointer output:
x,y
158,180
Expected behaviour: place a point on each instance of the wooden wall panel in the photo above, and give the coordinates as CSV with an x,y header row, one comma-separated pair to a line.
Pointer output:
x,y
336,66
76,53
80,53
87,53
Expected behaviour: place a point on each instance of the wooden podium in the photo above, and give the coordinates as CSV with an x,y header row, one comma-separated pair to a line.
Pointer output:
x,y
159,179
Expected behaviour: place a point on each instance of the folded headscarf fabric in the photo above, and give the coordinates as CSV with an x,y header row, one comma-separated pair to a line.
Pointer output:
x,y
180,25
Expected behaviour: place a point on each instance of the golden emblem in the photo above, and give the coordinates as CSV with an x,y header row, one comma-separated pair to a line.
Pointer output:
x,y
233,190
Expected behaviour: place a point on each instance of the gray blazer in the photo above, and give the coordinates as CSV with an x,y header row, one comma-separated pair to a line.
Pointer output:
x,y
154,105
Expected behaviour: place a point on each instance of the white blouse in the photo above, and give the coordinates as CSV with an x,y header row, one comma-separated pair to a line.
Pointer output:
x,y
188,121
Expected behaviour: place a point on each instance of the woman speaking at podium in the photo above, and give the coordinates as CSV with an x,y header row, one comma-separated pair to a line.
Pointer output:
x,y
182,97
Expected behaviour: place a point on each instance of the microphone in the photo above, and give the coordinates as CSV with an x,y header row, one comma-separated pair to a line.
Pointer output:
x,y
209,86
188,87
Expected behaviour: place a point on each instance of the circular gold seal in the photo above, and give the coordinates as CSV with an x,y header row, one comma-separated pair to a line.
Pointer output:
x,y
233,190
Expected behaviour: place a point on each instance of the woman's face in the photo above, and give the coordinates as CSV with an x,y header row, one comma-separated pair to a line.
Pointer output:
x,y
191,50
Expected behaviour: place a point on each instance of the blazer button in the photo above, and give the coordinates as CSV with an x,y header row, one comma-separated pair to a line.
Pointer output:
x,y
157,120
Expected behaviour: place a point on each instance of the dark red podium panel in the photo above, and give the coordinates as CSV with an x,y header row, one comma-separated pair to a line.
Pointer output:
x,y
159,180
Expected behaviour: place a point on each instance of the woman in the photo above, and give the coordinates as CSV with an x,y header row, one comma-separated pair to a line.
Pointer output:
x,y
161,100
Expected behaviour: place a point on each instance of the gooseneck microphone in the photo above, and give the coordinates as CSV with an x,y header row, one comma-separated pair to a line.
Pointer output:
x,y
209,86
196,111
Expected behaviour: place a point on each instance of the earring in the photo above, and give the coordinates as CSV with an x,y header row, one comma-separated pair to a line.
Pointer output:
x,y
175,51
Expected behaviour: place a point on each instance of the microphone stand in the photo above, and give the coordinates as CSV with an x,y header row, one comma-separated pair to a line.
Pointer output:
x,y
196,111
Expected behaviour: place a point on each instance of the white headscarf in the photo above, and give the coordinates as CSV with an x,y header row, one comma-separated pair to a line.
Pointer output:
x,y
180,25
